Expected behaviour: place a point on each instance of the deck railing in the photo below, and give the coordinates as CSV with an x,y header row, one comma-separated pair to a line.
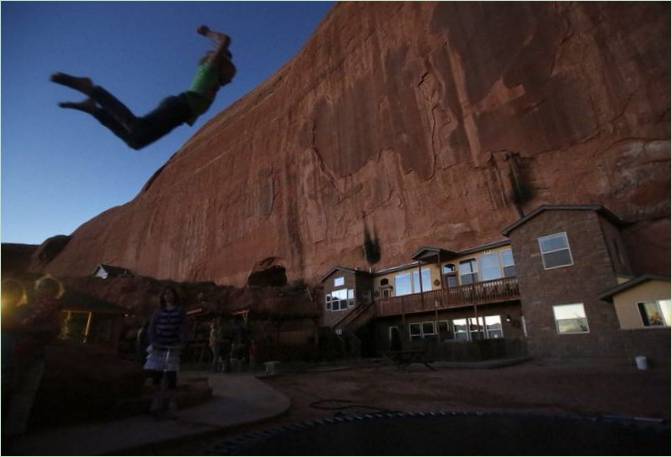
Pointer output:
x,y
497,290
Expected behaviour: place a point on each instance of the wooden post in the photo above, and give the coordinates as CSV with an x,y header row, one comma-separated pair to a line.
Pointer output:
x,y
422,295
88,327
443,287
476,317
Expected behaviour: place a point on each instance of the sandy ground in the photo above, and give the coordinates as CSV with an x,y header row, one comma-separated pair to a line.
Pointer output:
x,y
532,386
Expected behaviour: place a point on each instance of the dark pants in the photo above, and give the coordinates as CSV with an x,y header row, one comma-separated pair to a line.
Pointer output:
x,y
138,132
171,378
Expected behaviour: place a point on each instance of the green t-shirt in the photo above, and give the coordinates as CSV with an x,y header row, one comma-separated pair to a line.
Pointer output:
x,y
203,90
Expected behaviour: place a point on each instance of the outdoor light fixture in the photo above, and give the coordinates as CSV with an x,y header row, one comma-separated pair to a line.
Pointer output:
x,y
508,319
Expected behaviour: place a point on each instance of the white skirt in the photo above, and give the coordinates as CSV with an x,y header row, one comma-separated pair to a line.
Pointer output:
x,y
163,360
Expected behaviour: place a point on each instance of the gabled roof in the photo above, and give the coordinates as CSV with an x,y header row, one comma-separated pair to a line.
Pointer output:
x,y
385,271
340,268
77,301
112,270
608,294
611,217
426,251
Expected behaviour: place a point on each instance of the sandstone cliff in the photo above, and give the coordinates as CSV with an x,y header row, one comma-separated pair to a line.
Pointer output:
x,y
438,122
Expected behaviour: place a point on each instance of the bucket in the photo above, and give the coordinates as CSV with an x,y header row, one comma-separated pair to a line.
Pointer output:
x,y
642,362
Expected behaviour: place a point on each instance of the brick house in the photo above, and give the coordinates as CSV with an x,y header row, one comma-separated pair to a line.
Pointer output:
x,y
561,282
567,256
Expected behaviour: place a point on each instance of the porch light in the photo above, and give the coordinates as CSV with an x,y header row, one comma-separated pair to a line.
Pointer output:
x,y
508,319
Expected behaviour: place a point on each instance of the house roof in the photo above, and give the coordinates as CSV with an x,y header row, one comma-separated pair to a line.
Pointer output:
x,y
611,217
78,301
431,251
340,268
385,271
608,294
112,270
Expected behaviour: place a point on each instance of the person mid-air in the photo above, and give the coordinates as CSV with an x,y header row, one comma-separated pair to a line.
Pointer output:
x,y
214,71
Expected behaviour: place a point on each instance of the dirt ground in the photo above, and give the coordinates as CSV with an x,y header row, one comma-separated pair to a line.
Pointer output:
x,y
528,387
534,386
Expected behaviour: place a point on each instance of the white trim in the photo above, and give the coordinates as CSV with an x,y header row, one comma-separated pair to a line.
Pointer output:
x,y
568,248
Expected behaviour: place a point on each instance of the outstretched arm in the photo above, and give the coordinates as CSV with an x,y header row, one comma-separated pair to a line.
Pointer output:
x,y
221,40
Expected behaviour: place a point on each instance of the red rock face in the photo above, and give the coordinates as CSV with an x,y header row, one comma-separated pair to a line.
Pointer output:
x,y
432,120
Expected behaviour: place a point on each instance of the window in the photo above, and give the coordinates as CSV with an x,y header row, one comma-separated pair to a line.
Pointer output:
x,y
420,330
404,286
476,328
340,299
570,319
493,327
445,330
449,276
468,272
428,328
384,282
555,251
508,266
461,330
656,314
415,331
426,281
339,281
490,267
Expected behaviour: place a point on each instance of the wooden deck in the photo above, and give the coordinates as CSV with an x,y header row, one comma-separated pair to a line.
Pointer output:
x,y
480,293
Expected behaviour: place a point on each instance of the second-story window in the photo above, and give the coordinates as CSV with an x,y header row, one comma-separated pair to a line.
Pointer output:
x,y
490,266
340,299
339,281
409,283
555,251
449,276
508,266
468,271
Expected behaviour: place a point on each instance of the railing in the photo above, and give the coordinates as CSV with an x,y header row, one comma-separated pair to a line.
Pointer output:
x,y
354,314
494,291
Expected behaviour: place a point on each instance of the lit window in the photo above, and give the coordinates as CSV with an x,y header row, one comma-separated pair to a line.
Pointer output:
x,y
468,272
656,314
508,265
404,286
570,318
555,251
339,281
493,327
426,281
461,330
476,328
340,299
490,267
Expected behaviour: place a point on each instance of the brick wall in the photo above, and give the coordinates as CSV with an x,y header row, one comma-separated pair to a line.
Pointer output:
x,y
582,282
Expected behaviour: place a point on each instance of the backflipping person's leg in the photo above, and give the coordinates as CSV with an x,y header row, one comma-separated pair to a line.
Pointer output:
x,y
136,132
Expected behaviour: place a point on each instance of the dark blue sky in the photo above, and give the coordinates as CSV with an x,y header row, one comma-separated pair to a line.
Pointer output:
x,y
60,167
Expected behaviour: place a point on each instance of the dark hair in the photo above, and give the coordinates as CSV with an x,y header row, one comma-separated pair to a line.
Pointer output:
x,y
165,290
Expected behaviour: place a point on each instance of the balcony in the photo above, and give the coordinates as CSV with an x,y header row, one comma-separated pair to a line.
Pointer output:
x,y
480,293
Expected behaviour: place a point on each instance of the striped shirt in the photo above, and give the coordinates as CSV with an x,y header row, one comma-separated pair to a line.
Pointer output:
x,y
167,327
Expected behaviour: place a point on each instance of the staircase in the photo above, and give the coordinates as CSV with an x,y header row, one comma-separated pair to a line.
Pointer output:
x,y
347,327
